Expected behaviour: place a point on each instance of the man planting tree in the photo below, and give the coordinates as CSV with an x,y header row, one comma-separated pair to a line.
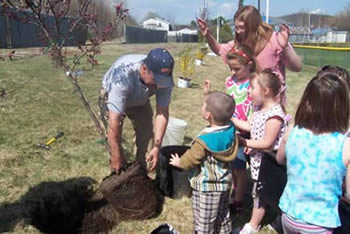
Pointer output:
x,y
127,86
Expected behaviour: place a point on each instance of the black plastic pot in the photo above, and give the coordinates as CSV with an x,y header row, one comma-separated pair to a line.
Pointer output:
x,y
172,181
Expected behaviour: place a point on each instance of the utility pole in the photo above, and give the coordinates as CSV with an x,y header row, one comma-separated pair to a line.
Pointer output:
x,y
240,4
217,29
9,32
309,28
259,6
267,10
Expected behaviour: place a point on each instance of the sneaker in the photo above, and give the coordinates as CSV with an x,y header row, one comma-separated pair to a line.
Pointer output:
x,y
248,229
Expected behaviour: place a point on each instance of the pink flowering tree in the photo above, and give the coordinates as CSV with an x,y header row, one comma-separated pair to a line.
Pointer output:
x,y
53,36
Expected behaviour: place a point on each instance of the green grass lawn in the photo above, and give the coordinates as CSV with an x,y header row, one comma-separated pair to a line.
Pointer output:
x,y
40,101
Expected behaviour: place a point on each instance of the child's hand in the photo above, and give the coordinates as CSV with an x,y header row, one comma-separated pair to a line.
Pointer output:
x,y
206,87
175,160
247,150
283,36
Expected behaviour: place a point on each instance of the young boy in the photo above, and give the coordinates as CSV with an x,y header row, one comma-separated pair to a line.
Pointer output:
x,y
209,159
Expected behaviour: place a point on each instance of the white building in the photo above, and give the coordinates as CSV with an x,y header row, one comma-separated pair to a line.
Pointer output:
x,y
183,35
328,35
336,36
188,31
156,24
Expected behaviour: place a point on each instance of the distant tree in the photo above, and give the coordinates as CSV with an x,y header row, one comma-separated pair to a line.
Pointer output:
x,y
119,32
303,17
341,19
131,21
226,33
193,23
222,21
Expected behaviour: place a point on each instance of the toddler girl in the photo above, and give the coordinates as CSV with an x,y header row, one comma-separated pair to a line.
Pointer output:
x,y
266,127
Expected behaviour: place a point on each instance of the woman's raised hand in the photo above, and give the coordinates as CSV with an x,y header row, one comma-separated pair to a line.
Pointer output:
x,y
203,26
283,36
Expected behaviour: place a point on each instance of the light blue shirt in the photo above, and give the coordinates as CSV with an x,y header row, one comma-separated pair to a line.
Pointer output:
x,y
315,173
125,88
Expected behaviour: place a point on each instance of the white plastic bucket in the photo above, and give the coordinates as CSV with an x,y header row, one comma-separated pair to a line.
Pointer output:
x,y
175,132
183,82
198,62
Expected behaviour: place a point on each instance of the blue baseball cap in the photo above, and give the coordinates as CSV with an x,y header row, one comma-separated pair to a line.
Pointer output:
x,y
161,63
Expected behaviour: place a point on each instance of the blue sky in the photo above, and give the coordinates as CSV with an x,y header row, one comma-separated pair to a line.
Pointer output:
x,y
183,11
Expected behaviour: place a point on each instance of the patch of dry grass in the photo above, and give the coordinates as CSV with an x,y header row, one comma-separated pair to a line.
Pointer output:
x,y
41,101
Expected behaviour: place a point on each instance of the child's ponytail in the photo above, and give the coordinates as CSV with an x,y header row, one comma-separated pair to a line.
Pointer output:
x,y
271,80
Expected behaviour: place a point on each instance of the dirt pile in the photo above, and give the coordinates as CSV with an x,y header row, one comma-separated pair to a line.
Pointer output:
x,y
73,207
132,194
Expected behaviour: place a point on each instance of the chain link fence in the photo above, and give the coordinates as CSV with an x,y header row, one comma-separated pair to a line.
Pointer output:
x,y
324,55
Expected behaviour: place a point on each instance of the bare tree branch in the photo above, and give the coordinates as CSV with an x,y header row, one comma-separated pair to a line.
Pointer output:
x,y
39,11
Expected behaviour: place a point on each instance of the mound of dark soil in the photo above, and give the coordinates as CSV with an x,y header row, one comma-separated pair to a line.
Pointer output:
x,y
72,206
132,194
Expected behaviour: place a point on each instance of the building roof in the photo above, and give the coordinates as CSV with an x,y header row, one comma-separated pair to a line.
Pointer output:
x,y
188,31
157,19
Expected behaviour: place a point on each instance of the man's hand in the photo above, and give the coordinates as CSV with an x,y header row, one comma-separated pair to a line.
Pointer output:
x,y
117,164
283,36
175,160
152,158
203,26
114,140
247,150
